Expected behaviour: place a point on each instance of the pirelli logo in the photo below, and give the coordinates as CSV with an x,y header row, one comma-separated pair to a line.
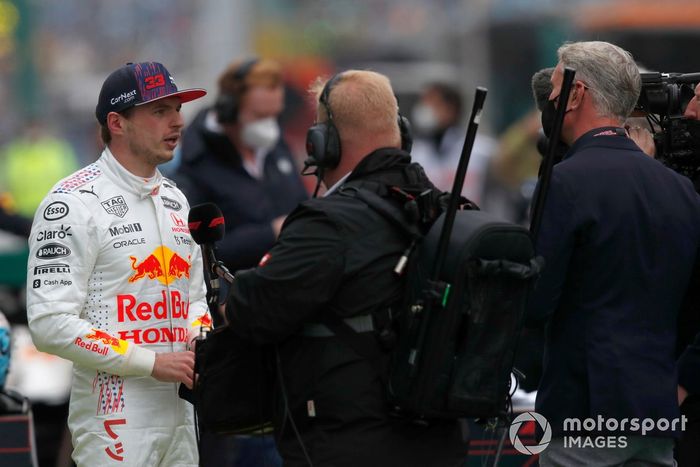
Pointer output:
x,y
53,268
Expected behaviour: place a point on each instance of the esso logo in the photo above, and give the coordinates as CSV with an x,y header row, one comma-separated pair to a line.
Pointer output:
x,y
56,210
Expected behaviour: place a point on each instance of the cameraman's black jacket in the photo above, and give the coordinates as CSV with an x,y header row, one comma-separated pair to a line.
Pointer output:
x,y
336,255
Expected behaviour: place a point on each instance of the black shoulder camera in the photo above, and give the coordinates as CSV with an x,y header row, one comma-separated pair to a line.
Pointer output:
x,y
663,99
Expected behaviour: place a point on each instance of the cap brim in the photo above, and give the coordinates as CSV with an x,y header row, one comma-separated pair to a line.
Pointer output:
x,y
186,95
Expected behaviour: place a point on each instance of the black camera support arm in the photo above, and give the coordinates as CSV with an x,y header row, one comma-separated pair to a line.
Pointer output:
x,y
543,185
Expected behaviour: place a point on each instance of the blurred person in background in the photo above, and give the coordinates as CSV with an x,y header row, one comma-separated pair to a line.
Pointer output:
x,y
233,155
619,235
512,171
514,167
116,282
439,138
12,222
31,164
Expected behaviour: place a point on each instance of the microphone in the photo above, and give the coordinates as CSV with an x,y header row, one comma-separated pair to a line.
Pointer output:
x,y
207,226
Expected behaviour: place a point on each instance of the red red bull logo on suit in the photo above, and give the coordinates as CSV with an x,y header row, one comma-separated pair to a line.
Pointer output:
x,y
163,265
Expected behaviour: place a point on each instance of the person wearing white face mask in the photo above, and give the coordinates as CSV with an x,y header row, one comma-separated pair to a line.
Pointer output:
x,y
439,139
233,155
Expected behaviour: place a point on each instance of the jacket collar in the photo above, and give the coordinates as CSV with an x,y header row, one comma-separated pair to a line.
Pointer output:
x,y
606,136
142,187
380,160
204,137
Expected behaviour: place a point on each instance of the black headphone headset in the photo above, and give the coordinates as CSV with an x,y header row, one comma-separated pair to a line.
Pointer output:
x,y
227,105
323,139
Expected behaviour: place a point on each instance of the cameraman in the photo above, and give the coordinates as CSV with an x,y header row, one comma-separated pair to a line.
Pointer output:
x,y
619,234
334,260
688,383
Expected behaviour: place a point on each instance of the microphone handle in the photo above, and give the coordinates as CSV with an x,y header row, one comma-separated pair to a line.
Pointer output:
x,y
223,272
209,260
217,269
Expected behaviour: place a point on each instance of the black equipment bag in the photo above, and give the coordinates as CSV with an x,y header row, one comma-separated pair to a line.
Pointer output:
x,y
467,283
233,393
457,337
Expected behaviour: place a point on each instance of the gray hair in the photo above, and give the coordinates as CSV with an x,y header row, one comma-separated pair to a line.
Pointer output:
x,y
608,71
542,86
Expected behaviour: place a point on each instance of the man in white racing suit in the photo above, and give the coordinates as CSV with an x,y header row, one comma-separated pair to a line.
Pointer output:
x,y
115,282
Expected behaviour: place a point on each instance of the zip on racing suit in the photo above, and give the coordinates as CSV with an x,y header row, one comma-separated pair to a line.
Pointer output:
x,y
114,278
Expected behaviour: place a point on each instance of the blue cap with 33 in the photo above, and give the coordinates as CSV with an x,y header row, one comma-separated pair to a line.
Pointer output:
x,y
137,84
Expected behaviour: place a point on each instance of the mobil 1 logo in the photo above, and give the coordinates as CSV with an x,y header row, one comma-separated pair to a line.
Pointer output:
x,y
125,229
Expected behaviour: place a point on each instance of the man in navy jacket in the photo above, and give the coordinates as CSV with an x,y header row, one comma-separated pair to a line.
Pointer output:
x,y
619,235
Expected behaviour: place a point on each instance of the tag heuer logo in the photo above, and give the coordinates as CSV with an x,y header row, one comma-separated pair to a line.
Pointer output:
x,y
116,206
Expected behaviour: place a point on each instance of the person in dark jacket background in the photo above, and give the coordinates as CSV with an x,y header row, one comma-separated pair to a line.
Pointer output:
x,y
14,223
234,156
619,235
335,258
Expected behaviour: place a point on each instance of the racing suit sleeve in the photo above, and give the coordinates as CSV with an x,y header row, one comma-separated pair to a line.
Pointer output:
x,y
59,270
296,280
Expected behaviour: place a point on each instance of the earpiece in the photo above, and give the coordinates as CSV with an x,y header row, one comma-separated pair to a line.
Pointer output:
x,y
406,133
322,139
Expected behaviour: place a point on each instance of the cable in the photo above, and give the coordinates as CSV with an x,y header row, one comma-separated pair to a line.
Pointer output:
x,y
503,420
287,412
194,408
261,413
319,179
196,429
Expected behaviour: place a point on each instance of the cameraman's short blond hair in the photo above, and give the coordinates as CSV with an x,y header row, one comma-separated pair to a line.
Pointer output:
x,y
363,105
